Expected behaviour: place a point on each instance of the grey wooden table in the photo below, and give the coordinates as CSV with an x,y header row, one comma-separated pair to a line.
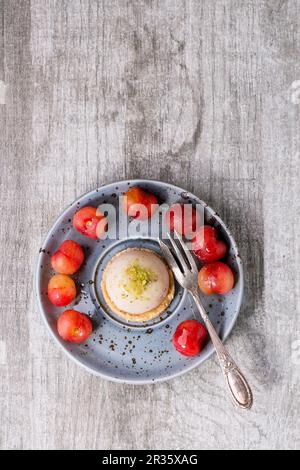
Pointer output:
x,y
204,94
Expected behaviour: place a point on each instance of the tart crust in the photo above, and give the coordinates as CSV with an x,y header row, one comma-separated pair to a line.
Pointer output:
x,y
150,314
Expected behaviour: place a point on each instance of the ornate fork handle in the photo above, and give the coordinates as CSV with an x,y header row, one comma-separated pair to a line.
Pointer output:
x,y
236,382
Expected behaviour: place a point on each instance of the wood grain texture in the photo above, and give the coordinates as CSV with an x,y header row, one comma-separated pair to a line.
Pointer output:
x,y
197,93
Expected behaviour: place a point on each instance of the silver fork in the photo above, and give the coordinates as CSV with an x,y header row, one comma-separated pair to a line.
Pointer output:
x,y
187,277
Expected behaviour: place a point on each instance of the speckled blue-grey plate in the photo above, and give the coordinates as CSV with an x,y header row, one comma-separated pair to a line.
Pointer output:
x,y
128,352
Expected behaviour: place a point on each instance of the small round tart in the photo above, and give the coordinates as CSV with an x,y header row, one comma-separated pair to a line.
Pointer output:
x,y
137,284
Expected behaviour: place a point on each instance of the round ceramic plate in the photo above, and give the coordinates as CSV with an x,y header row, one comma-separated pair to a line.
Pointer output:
x,y
124,352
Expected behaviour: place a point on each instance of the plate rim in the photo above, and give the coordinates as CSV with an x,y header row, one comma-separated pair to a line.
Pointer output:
x,y
202,358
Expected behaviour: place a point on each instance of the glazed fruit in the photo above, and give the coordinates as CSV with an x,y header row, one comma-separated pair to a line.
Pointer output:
x,y
68,258
190,337
207,246
61,290
74,326
215,278
139,204
86,220
182,218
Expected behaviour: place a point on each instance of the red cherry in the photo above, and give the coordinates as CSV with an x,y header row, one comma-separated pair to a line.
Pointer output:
x,y
182,218
206,245
74,326
86,222
61,290
68,258
190,337
215,278
139,204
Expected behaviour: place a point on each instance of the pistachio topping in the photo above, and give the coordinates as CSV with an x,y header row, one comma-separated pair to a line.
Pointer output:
x,y
138,278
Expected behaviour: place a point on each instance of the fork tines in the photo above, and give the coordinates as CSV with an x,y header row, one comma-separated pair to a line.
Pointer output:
x,y
186,261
